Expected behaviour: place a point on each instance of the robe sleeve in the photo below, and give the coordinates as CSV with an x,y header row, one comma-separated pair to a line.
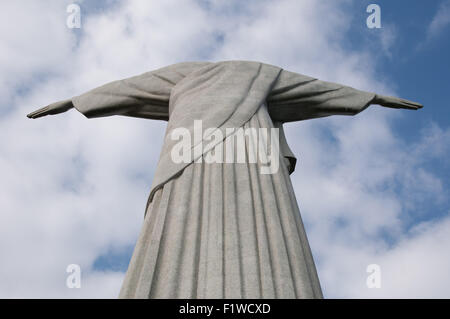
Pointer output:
x,y
297,97
145,96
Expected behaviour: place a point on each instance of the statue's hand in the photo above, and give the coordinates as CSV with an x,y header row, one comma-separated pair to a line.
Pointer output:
x,y
54,108
395,102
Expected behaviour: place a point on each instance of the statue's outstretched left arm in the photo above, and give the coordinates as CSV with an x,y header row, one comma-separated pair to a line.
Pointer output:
x,y
297,97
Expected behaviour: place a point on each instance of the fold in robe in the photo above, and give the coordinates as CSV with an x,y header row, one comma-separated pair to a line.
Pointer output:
x,y
227,94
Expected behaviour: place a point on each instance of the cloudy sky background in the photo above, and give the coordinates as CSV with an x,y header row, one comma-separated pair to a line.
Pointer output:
x,y
372,189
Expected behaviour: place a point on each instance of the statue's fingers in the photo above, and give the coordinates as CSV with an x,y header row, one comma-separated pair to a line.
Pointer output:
x,y
33,115
410,105
398,103
414,105
39,113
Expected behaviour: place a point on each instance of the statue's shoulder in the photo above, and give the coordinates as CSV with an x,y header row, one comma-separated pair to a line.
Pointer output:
x,y
244,63
198,67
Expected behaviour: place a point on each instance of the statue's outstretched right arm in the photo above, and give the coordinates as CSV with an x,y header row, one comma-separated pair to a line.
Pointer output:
x,y
145,96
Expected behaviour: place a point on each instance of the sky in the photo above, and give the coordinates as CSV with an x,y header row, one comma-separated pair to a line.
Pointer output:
x,y
372,189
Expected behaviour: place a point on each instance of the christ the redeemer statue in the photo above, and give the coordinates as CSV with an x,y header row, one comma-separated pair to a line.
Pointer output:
x,y
222,230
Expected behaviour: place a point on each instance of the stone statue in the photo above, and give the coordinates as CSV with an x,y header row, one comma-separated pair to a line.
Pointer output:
x,y
222,230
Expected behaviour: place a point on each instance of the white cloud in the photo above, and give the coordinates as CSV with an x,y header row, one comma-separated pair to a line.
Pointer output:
x,y
74,188
388,37
416,267
441,20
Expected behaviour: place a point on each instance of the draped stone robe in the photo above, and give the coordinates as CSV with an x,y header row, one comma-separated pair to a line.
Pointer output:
x,y
222,230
